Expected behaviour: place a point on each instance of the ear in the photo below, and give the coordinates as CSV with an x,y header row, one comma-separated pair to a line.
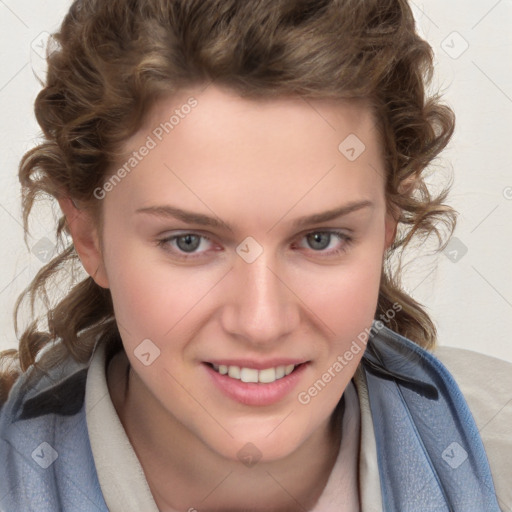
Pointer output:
x,y
408,184
406,187
85,240
391,225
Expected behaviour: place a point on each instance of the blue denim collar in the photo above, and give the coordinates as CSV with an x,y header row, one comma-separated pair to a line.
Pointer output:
x,y
430,454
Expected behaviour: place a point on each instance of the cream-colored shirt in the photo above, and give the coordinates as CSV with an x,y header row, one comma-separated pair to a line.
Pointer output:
x,y
121,476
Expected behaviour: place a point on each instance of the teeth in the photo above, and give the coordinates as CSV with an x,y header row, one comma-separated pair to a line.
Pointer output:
x,y
234,372
265,376
248,375
280,372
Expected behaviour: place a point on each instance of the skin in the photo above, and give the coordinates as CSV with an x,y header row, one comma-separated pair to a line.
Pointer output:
x,y
257,165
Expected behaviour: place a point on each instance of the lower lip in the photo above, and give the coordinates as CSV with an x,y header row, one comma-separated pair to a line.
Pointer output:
x,y
253,393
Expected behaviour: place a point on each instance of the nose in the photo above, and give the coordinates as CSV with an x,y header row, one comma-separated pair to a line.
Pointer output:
x,y
260,307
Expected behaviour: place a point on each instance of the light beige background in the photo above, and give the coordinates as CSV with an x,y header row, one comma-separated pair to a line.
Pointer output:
x,y
468,289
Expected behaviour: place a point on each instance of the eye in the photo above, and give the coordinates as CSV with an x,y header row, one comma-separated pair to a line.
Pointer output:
x,y
193,245
319,241
185,244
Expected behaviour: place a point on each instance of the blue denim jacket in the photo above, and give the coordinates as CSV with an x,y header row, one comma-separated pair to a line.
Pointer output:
x,y
430,454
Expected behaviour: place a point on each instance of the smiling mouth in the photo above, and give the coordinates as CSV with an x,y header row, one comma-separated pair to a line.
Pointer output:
x,y
264,376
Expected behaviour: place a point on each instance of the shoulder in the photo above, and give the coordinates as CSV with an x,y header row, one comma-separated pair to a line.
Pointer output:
x,y
36,393
486,384
44,440
485,381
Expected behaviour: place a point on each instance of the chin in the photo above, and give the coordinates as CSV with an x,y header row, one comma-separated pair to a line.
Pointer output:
x,y
262,444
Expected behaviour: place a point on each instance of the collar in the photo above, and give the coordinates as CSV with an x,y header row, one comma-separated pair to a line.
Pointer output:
x,y
429,451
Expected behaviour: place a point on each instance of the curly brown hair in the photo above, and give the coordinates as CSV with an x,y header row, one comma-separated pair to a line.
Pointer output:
x,y
116,59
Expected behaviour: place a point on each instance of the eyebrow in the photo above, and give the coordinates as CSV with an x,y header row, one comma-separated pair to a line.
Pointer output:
x,y
189,217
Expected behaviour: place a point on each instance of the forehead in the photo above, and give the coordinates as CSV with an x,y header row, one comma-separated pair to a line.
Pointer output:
x,y
211,143
216,112
224,107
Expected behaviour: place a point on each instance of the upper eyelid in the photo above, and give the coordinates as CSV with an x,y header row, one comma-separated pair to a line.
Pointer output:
x,y
183,232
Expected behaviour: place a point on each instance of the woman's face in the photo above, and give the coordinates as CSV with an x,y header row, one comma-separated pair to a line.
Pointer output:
x,y
222,247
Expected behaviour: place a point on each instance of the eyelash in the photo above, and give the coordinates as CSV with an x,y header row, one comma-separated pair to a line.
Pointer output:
x,y
346,239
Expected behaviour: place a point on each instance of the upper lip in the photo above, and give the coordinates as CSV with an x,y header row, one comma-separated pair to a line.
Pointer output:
x,y
257,365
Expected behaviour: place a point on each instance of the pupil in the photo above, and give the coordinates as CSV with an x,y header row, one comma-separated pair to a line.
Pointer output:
x,y
315,240
188,243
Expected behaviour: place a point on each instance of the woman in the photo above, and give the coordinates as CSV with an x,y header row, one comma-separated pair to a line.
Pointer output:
x,y
235,178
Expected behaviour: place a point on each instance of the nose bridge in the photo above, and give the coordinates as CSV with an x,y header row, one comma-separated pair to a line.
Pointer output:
x,y
262,308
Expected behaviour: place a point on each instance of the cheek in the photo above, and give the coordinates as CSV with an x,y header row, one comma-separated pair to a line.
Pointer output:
x,y
345,297
153,299
346,306
137,294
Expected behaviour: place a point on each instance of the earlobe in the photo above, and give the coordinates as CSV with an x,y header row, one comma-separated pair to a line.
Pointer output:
x,y
85,240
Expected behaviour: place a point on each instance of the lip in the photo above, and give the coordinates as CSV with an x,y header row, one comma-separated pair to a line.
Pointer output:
x,y
256,394
256,365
